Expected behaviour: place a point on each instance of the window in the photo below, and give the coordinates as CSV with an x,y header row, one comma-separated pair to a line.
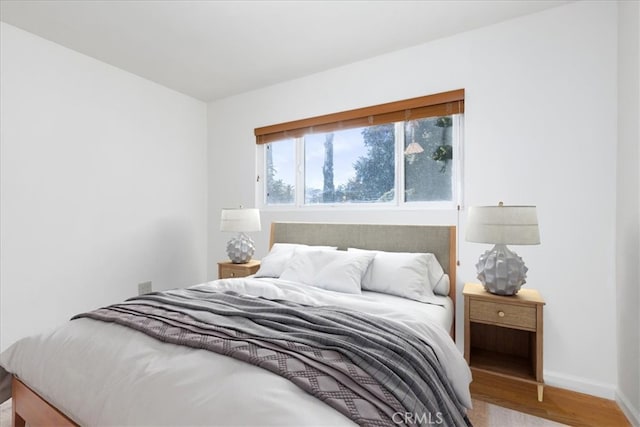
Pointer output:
x,y
280,173
373,160
428,159
354,165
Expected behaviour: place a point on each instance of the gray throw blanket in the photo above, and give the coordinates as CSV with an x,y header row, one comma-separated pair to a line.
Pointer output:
x,y
369,369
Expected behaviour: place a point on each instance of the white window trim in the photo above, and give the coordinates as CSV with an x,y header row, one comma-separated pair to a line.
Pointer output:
x,y
398,203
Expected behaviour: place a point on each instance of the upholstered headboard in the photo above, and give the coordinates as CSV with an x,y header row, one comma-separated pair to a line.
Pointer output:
x,y
439,240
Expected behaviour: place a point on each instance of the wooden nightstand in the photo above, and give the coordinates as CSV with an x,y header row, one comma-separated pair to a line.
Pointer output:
x,y
227,269
503,334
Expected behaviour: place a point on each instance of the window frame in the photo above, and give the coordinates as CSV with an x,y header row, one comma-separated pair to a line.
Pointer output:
x,y
398,203
449,103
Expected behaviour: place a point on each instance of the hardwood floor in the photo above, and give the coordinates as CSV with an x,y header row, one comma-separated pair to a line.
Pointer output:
x,y
486,414
562,406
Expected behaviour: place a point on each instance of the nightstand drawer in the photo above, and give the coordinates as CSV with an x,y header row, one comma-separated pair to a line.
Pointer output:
x,y
517,316
228,273
229,270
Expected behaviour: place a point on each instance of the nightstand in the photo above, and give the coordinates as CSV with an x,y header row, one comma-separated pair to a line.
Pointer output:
x,y
503,334
227,269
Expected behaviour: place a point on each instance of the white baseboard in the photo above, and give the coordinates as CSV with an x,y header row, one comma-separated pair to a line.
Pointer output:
x,y
603,390
632,414
581,385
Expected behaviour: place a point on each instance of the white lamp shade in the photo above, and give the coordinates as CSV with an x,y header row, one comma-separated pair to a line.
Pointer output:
x,y
240,219
506,225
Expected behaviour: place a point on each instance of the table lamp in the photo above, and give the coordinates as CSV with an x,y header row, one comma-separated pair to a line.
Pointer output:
x,y
501,270
240,249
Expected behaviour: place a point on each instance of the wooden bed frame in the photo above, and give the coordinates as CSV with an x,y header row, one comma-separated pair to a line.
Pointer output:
x,y
29,408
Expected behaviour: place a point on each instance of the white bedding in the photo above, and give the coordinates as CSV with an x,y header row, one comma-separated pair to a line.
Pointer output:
x,y
105,374
439,311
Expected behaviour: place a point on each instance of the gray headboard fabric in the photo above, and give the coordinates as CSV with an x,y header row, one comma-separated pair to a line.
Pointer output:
x,y
439,240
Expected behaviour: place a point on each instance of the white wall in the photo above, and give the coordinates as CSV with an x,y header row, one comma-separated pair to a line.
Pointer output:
x,y
103,185
628,209
540,128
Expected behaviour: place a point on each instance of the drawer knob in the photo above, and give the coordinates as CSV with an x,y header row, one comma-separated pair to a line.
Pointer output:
x,y
501,313
234,275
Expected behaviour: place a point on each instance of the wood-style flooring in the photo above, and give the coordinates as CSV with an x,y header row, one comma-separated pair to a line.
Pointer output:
x,y
486,414
559,405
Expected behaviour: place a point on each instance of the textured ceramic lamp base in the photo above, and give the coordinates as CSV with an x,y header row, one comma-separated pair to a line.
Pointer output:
x,y
501,271
240,249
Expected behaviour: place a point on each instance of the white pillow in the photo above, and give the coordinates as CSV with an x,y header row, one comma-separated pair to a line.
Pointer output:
x,y
274,263
403,274
338,271
443,286
439,280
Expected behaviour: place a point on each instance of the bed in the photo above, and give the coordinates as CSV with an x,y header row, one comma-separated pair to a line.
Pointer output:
x,y
160,359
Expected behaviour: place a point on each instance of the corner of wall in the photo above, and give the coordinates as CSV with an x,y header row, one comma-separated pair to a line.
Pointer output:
x,y
633,415
628,211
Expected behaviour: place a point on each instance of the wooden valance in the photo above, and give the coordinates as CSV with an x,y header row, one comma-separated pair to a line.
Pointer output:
x,y
440,104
